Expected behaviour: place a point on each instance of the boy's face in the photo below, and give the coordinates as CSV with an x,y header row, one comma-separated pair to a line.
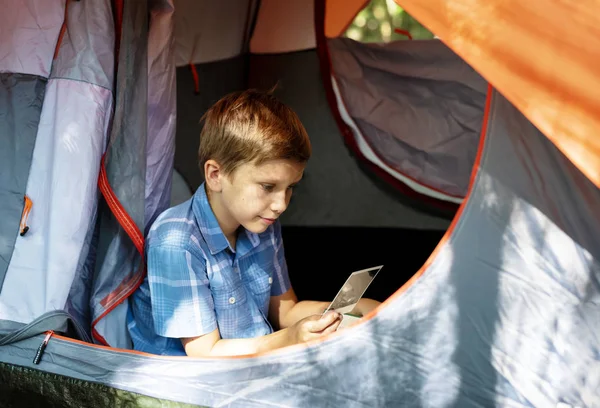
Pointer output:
x,y
254,196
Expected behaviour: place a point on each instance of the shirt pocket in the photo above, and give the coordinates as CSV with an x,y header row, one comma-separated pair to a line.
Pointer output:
x,y
234,316
258,277
258,281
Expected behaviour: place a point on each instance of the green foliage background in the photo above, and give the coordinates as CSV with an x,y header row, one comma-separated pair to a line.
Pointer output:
x,y
377,21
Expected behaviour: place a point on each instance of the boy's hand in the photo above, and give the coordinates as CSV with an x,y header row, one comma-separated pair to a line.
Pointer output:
x,y
315,326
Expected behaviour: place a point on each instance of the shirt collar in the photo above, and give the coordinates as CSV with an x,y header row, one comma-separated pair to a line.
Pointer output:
x,y
211,231
246,242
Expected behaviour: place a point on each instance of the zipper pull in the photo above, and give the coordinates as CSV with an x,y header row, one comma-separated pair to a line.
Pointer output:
x,y
25,215
40,350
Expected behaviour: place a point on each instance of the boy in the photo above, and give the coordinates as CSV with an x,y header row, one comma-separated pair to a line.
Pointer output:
x,y
217,282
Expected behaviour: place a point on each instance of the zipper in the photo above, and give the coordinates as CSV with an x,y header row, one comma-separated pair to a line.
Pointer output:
x,y
25,215
42,348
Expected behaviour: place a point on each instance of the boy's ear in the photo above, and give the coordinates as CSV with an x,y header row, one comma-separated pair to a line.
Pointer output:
x,y
212,175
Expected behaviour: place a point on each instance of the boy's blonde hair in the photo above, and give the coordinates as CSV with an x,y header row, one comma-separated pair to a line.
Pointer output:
x,y
251,127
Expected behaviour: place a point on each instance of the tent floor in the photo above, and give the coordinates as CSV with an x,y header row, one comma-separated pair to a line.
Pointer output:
x,y
321,258
25,387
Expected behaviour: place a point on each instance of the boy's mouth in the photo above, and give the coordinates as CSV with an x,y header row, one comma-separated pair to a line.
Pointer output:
x,y
268,220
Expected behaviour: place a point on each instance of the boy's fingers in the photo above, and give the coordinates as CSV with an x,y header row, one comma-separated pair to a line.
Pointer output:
x,y
332,328
331,315
324,322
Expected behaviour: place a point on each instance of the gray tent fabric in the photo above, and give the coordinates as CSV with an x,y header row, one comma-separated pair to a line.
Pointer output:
x,y
87,55
21,97
55,320
72,258
524,253
78,303
125,156
29,30
162,110
61,176
418,105
25,63
86,51
139,162
118,264
495,318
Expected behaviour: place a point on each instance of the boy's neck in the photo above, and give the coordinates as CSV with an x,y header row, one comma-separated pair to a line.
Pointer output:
x,y
228,225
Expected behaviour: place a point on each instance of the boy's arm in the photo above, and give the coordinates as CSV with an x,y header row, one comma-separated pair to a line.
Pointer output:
x,y
285,310
364,306
211,344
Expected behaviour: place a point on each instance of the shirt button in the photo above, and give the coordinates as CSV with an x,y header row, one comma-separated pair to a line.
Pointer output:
x,y
232,300
270,280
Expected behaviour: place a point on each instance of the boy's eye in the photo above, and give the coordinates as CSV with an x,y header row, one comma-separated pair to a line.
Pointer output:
x,y
268,187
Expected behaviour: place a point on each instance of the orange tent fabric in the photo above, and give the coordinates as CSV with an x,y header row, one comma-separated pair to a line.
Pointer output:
x,y
339,15
547,70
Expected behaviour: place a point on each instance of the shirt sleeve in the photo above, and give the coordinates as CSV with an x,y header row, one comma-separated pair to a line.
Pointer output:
x,y
182,304
281,279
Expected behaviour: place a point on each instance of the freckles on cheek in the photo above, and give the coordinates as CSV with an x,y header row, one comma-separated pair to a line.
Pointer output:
x,y
254,202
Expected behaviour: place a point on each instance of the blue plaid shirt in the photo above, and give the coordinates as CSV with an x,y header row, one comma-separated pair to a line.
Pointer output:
x,y
196,282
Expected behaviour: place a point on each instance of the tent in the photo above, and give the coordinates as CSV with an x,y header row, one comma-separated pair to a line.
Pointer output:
x,y
504,312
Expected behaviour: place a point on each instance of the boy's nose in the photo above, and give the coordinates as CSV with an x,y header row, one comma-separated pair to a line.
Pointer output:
x,y
279,203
